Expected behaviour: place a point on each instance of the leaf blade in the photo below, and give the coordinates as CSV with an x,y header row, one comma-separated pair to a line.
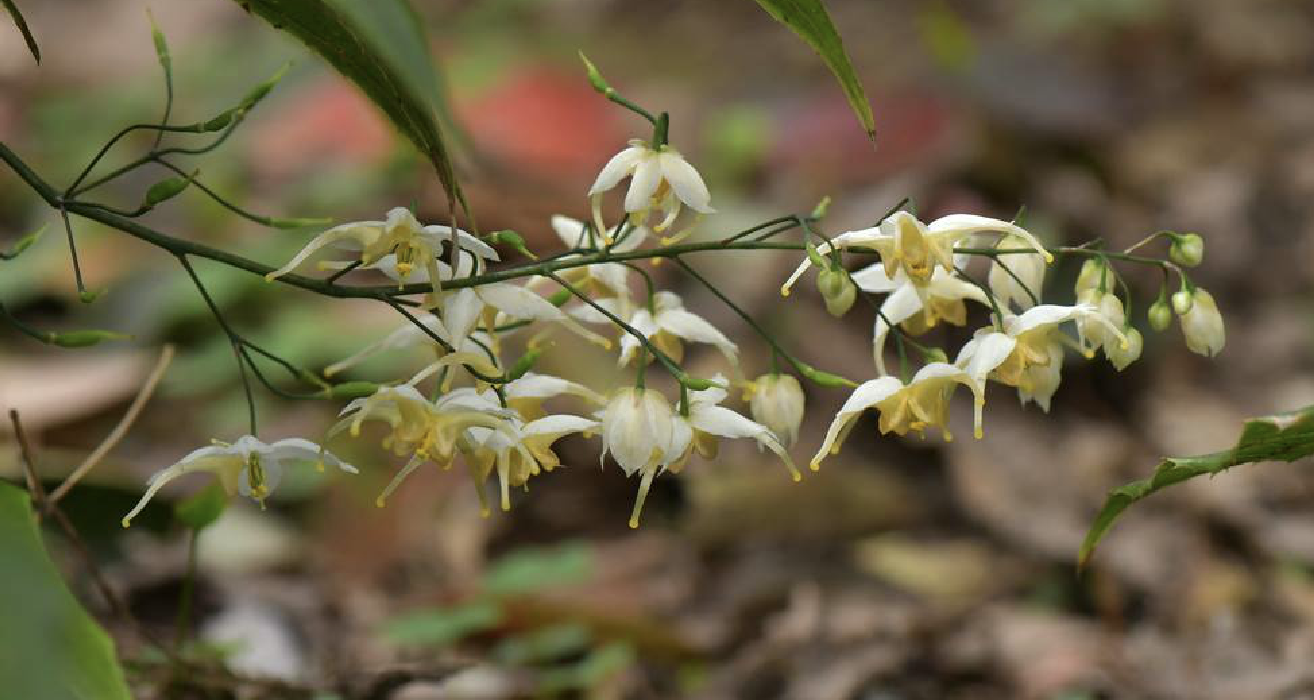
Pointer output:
x,y
380,46
809,19
52,647
1282,437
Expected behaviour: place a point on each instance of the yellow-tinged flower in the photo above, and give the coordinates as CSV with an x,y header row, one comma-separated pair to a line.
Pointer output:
x,y
1028,354
247,466
916,308
522,453
1093,331
913,407
427,429
1202,325
917,249
660,178
415,248
777,401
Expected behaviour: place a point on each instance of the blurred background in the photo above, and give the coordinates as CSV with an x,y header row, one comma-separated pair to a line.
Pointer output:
x,y
905,569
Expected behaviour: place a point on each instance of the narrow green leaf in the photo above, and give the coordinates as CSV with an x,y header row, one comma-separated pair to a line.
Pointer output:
x,y
442,626
532,569
380,45
1282,437
23,28
808,19
51,648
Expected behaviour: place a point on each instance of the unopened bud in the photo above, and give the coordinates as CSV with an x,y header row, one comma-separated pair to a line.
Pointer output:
x,y
23,244
595,77
837,290
1160,315
164,190
1202,325
512,239
777,403
1183,300
698,383
1092,271
352,390
823,379
819,211
1187,249
83,339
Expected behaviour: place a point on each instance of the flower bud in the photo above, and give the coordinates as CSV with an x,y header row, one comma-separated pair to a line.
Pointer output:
x,y
84,339
1160,315
1023,286
638,426
1182,302
1092,271
1119,356
1187,249
838,290
1202,325
777,403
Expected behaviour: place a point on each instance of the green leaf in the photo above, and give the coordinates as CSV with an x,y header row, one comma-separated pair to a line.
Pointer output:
x,y
52,649
1282,437
201,509
381,46
809,20
22,27
443,626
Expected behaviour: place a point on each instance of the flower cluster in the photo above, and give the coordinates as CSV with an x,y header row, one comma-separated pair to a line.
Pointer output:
x,y
479,404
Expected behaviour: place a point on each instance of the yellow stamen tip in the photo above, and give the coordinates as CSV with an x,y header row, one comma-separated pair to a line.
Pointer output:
x,y
634,523
126,522
319,466
270,277
784,291
814,466
978,433
799,477
666,240
379,502
485,512
1090,354
656,261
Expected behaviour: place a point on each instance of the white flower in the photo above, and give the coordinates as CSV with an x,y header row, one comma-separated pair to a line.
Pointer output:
x,y
1093,331
645,436
601,279
666,325
1028,354
922,403
429,430
1028,273
659,179
917,308
527,394
906,244
1121,356
415,247
247,466
521,453
464,308
1202,325
776,401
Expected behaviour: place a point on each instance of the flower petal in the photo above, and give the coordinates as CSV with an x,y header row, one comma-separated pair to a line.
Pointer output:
x,y
617,168
643,185
686,182
867,394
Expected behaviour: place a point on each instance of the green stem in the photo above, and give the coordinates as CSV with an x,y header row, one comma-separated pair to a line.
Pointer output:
x,y
185,598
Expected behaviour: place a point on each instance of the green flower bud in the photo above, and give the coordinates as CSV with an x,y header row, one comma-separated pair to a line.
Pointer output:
x,y
23,244
164,190
838,290
697,383
595,77
352,390
823,379
1187,249
1160,315
512,239
819,211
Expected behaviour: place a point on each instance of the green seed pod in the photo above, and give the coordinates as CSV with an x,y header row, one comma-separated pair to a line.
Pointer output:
x,y
165,190
837,290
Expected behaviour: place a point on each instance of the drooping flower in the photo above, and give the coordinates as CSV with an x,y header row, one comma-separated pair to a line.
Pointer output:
x,y
1093,330
906,244
660,178
1121,356
707,420
1202,325
247,466
913,407
1022,287
522,453
527,394
426,429
916,308
415,248
1028,354
776,401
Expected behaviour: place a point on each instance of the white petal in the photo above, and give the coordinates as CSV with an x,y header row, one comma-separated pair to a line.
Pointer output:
x,y
643,322
695,328
1044,315
360,233
867,394
719,420
874,280
686,182
632,240
613,276
647,177
559,425
461,310
570,231
898,307
971,223
617,168
983,354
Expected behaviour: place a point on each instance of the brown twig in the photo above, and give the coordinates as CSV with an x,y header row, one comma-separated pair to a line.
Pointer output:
x,y
116,435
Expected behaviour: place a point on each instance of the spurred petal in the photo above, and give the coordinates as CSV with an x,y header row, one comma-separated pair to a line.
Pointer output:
x,y
695,328
874,280
867,394
617,168
686,182
647,177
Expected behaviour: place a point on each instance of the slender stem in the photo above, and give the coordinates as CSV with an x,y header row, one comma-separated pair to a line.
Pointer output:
x,y
994,303
242,358
72,249
23,328
662,357
249,216
185,598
